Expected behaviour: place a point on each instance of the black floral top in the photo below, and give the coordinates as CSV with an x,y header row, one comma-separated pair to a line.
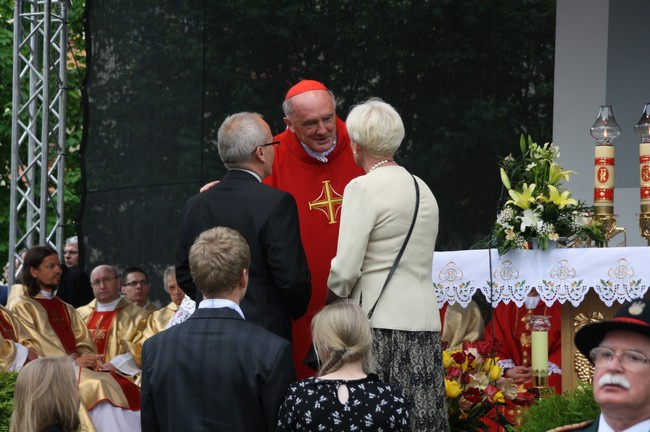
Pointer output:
x,y
313,405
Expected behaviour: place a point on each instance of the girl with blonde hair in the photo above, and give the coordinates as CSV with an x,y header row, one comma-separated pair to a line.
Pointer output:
x,y
46,397
344,395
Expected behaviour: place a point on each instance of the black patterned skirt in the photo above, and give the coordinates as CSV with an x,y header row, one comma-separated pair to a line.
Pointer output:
x,y
412,361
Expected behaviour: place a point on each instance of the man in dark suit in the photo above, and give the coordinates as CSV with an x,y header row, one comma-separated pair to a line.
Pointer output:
x,y
280,281
75,287
230,374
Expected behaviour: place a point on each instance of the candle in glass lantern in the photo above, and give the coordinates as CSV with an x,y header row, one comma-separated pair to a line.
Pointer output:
x,y
605,130
642,128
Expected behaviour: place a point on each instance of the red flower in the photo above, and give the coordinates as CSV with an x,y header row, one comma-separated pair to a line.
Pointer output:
x,y
473,395
465,378
491,390
453,372
484,348
459,357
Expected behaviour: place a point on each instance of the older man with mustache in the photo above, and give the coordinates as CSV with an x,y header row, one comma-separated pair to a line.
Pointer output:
x,y
620,351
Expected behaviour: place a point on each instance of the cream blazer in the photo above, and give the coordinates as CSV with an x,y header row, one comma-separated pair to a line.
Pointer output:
x,y
376,214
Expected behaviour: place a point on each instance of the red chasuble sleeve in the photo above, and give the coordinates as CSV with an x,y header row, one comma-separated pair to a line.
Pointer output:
x,y
318,190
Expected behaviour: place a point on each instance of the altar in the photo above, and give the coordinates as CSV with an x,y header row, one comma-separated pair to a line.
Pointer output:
x,y
590,283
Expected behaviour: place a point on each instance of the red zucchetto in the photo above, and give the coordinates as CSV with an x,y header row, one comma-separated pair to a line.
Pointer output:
x,y
304,86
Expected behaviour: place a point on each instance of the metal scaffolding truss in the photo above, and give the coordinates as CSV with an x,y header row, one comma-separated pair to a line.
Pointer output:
x,y
38,126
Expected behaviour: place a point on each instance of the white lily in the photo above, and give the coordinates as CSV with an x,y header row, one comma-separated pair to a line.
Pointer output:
x,y
532,219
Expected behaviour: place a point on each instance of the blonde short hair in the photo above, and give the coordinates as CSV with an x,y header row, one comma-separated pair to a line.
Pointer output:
x,y
341,334
217,259
376,126
46,394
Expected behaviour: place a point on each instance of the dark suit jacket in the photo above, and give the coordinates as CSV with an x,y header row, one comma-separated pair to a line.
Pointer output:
x,y
75,287
214,372
279,286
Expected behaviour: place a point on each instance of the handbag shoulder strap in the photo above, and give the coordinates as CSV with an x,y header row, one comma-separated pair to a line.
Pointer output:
x,y
401,251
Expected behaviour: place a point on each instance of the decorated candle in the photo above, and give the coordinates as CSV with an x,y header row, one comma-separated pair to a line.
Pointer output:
x,y
539,366
604,179
644,172
539,327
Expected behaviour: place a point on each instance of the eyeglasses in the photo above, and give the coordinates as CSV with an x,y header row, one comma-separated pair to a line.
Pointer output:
x,y
602,356
266,145
104,281
134,284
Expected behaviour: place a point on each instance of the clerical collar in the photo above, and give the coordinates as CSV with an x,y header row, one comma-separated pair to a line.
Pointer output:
x,y
220,303
532,301
321,156
253,173
107,307
48,294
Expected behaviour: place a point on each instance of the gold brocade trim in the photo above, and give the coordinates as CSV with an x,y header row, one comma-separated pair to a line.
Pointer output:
x,y
583,366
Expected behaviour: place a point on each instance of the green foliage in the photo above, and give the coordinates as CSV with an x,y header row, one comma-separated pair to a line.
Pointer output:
x,y
76,68
6,53
7,388
558,410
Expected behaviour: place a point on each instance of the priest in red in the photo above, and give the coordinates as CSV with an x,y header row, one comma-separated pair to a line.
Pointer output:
x,y
314,163
510,326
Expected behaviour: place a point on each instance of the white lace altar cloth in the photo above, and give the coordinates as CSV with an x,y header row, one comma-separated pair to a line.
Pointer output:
x,y
615,274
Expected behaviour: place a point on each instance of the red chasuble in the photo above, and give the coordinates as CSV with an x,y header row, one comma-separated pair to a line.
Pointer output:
x,y
511,328
318,190
58,317
99,326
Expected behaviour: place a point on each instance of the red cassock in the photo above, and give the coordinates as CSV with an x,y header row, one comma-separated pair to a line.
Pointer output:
x,y
511,329
318,190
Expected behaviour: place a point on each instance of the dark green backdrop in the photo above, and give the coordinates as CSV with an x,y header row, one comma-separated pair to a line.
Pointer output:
x,y
467,76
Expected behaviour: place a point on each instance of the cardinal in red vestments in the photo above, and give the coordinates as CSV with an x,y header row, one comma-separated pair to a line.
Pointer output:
x,y
314,163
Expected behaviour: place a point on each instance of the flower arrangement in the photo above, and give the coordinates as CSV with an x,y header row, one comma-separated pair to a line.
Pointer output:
x,y
540,207
475,387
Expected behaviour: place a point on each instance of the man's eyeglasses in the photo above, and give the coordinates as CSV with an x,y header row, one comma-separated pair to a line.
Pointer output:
x,y
267,144
134,284
104,281
602,356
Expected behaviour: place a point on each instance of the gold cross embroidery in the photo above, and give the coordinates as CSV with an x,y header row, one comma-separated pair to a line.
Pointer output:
x,y
329,199
98,334
57,318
